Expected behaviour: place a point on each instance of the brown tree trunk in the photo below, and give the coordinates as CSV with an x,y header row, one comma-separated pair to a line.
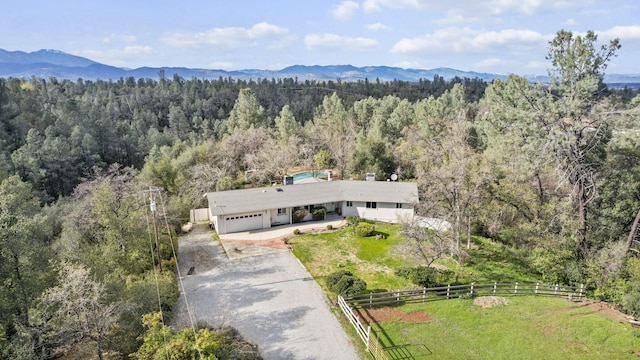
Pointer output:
x,y
582,216
632,233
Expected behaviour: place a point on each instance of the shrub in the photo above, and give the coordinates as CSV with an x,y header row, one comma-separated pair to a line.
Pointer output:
x,y
298,214
352,221
631,301
329,227
343,282
365,229
319,213
296,232
424,276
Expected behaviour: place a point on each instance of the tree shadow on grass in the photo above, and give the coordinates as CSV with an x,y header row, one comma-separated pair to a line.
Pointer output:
x,y
394,351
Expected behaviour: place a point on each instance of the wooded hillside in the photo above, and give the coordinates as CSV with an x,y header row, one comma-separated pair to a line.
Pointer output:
x,y
547,169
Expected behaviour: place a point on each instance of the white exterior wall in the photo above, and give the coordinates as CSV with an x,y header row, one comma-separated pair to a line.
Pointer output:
x,y
198,215
214,221
351,210
242,222
280,219
386,212
331,207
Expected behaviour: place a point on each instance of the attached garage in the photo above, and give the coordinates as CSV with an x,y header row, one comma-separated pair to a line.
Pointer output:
x,y
246,222
260,208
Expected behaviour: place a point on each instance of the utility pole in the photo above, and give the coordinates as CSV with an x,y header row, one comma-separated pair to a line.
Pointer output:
x,y
154,208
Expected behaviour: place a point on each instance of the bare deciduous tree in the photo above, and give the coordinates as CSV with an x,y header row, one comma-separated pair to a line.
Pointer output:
x,y
77,309
424,244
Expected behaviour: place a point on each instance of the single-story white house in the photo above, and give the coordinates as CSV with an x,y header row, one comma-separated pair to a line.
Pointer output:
x,y
260,208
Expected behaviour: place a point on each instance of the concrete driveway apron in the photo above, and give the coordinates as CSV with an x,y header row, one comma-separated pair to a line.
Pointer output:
x,y
269,297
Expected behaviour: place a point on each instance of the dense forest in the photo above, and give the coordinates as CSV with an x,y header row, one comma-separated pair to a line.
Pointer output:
x,y
550,170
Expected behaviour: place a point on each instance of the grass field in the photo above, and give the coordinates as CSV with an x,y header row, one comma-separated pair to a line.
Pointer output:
x,y
373,260
526,328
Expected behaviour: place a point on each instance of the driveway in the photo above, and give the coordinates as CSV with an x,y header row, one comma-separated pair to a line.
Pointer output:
x,y
269,297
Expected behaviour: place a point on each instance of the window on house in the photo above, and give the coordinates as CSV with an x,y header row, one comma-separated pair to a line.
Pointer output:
x,y
349,203
372,205
398,205
282,211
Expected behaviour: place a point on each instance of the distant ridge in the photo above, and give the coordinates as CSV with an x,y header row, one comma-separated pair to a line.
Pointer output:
x,y
58,64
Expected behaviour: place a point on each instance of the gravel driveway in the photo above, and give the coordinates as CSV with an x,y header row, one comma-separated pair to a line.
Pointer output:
x,y
270,298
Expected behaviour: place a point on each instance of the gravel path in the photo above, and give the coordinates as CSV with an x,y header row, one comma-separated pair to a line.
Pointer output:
x,y
270,298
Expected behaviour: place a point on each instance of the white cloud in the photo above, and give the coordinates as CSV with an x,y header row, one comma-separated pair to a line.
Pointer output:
x,y
265,29
316,41
570,22
622,32
345,9
466,40
454,17
408,65
499,7
490,62
120,37
466,11
230,36
371,5
117,57
377,5
376,27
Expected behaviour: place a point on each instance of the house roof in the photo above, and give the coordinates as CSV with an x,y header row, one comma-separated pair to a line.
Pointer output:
x,y
258,199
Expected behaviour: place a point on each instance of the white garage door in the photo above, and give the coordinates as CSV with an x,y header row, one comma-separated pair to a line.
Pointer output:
x,y
246,222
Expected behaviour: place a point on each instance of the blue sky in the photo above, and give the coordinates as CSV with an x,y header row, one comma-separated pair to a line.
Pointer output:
x,y
499,36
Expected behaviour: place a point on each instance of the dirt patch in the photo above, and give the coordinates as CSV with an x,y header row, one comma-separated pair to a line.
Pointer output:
x,y
608,310
376,316
271,243
490,301
598,308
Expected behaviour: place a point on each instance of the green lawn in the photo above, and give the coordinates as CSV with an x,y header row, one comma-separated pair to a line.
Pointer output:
x,y
526,328
373,260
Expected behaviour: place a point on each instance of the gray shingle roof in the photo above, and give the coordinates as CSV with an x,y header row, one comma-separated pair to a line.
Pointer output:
x,y
258,199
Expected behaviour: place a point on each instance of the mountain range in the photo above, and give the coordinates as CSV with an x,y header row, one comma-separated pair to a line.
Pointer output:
x,y
58,64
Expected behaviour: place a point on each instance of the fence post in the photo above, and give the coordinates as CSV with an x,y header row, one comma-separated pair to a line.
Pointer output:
x,y
555,290
581,288
424,293
494,287
471,293
537,285
370,300
448,290
515,290
398,297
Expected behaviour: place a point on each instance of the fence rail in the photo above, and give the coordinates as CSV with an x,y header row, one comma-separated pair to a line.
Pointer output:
x,y
440,293
457,291
354,320
366,335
